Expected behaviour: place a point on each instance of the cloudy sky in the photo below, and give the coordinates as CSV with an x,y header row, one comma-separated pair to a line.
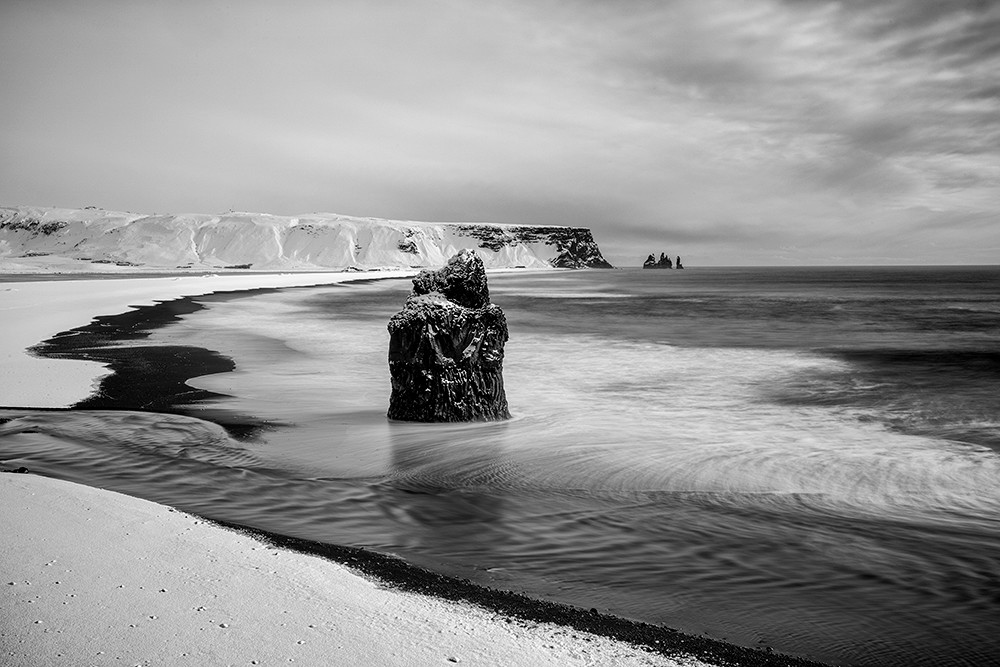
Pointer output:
x,y
726,131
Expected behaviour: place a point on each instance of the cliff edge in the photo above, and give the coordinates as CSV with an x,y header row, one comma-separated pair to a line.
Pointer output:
x,y
34,239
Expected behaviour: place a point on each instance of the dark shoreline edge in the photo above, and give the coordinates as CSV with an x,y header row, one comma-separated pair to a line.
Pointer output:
x,y
401,575
152,379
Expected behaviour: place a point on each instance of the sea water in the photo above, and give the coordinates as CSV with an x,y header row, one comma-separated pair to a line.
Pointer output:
x,y
805,459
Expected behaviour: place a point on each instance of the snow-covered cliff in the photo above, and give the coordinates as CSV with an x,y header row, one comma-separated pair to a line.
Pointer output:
x,y
92,239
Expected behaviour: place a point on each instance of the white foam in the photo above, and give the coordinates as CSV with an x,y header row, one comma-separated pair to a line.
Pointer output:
x,y
607,415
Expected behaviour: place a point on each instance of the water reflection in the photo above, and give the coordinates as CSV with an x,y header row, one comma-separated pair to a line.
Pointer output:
x,y
438,487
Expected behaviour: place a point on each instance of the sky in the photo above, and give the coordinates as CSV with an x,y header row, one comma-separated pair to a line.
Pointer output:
x,y
730,132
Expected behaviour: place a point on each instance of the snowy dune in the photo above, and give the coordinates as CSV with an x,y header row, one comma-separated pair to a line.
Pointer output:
x,y
35,239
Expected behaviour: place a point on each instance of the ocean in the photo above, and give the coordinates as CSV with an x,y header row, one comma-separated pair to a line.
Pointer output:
x,y
806,459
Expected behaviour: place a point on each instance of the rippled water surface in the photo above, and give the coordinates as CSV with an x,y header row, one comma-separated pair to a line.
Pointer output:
x,y
799,458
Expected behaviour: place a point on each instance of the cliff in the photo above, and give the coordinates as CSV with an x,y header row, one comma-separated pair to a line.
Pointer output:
x,y
92,239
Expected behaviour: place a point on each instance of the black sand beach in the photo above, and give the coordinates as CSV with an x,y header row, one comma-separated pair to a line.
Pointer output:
x,y
152,378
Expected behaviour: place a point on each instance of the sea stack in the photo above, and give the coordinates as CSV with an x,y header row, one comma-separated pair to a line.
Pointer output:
x,y
663,263
446,347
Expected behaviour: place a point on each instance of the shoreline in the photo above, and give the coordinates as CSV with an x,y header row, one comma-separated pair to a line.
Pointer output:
x,y
71,535
392,571
149,378
100,578
37,310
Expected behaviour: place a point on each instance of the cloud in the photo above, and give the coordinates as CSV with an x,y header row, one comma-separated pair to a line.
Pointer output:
x,y
737,129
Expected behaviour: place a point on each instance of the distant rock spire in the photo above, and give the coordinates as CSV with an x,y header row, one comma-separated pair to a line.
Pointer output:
x,y
663,263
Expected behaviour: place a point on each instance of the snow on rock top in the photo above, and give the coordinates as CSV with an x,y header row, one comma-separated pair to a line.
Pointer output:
x,y
90,239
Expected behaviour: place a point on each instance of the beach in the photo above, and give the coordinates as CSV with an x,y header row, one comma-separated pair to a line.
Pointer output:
x,y
35,310
730,396
96,577
737,464
92,577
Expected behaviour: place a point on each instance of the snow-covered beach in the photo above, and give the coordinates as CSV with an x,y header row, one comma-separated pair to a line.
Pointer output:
x,y
92,577
96,577
716,499
35,310
221,392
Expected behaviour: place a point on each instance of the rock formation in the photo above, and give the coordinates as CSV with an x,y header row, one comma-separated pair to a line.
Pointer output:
x,y
446,347
575,245
663,263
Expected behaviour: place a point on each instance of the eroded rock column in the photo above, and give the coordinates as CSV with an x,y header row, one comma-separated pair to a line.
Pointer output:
x,y
446,347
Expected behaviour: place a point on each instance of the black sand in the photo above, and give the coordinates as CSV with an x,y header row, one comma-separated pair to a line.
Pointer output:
x,y
152,379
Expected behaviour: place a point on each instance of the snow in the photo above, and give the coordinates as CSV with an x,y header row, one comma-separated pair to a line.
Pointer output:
x,y
38,239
